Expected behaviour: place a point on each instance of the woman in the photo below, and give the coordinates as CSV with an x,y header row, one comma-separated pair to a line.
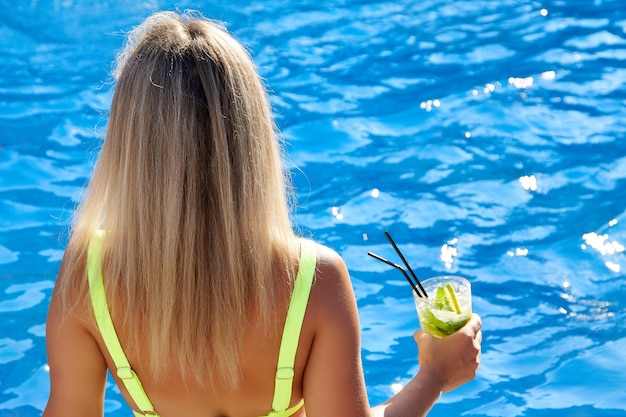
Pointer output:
x,y
183,275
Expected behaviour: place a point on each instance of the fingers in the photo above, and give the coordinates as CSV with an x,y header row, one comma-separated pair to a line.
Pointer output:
x,y
475,323
472,327
477,326
418,335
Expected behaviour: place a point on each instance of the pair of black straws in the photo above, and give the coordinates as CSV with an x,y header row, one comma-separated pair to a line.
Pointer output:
x,y
415,283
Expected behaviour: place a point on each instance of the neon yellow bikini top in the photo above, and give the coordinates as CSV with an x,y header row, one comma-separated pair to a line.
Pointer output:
x,y
288,346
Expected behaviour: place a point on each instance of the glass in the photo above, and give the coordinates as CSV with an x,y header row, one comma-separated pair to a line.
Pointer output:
x,y
448,306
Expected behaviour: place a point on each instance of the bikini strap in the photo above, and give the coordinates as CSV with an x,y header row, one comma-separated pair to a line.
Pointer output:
x,y
107,330
293,325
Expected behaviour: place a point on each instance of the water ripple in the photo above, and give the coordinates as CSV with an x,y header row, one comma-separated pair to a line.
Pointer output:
x,y
487,137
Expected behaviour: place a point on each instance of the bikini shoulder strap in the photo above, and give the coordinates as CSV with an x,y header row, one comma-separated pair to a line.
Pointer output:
x,y
107,330
293,325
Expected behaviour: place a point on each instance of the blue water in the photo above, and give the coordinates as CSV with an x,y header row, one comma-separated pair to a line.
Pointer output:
x,y
488,137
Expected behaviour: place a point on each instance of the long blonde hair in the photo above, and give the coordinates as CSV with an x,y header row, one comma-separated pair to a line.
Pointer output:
x,y
192,193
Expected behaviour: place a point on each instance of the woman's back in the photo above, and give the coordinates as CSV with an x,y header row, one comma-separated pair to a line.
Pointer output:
x,y
330,317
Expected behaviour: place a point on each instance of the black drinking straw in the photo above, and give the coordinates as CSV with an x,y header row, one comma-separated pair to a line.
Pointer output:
x,y
399,268
417,281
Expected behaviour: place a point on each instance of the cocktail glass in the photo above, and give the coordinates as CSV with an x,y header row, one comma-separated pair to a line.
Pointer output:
x,y
448,306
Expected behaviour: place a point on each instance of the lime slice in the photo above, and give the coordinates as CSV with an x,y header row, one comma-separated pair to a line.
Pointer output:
x,y
452,297
442,301
436,326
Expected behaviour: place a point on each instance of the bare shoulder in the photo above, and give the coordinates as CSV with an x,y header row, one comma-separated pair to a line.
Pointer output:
x,y
73,355
333,381
332,278
329,262
332,295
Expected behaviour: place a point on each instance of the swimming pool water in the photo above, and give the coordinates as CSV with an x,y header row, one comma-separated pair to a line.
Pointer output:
x,y
488,137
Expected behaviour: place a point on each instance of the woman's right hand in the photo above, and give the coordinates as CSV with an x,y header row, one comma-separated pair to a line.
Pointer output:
x,y
444,364
453,360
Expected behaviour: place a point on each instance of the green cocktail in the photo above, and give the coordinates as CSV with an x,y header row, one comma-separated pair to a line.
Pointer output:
x,y
448,306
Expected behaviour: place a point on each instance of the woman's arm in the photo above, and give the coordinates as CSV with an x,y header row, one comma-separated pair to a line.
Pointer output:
x,y
77,367
445,364
333,381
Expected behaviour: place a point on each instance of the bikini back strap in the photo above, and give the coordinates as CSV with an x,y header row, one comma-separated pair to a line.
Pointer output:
x,y
293,325
107,330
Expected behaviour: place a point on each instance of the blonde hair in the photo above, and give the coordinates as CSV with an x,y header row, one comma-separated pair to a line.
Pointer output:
x,y
191,191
